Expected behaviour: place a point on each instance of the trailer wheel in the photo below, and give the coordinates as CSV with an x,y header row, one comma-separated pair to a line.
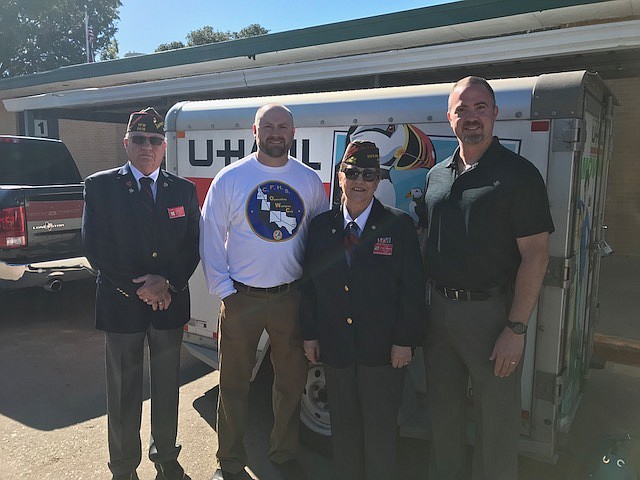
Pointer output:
x,y
314,412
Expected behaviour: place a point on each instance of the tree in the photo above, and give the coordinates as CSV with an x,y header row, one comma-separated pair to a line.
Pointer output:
x,y
252,30
207,35
163,47
111,51
40,35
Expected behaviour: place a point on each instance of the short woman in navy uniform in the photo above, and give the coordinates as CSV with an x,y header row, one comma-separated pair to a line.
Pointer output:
x,y
363,314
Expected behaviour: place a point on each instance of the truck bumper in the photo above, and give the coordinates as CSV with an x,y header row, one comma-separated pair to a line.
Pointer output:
x,y
39,274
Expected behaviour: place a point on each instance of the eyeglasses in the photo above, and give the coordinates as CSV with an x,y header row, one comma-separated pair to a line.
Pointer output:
x,y
367,175
141,140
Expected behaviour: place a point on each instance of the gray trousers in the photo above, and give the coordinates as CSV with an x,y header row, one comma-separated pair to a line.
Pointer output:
x,y
364,403
124,362
460,338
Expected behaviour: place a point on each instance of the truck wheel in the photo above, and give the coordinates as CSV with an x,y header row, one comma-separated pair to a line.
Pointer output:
x,y
314,412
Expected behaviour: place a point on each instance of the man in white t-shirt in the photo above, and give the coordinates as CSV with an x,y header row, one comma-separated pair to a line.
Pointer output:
x,y
254,224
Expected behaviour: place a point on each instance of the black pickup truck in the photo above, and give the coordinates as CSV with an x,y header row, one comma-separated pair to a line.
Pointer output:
x,y
40,215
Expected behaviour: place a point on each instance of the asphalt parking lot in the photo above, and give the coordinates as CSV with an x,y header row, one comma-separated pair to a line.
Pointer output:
x,y
53,409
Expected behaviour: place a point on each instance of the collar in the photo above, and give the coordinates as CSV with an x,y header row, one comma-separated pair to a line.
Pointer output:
x,y
487,157
137,174
361,221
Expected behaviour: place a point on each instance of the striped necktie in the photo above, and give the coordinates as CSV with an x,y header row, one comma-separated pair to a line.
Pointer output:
x,y
147,194
351,239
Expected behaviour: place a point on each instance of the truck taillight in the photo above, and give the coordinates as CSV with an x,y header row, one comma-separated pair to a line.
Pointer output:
x,y
12,227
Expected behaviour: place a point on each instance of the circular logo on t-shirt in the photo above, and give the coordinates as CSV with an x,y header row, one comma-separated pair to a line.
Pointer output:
x,y
275,211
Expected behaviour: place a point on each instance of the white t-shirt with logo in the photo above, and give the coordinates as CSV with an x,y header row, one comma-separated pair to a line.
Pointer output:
x,y
254,223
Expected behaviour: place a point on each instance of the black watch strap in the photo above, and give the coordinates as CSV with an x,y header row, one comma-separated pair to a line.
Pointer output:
x,y
517,327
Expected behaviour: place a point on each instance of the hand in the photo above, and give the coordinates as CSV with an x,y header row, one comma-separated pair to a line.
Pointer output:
x,y
400,356
163,303
507,352
153,289
312,350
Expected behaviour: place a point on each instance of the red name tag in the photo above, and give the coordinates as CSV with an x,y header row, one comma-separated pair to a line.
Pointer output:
x,y
176,212
383,249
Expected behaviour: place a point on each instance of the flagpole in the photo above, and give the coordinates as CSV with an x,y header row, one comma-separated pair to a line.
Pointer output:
x,y
86,34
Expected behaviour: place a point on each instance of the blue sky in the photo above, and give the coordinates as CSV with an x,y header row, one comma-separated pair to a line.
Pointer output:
x,y
145,25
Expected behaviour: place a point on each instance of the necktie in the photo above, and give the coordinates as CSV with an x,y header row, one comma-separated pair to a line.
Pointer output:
x,y
351,239
147,194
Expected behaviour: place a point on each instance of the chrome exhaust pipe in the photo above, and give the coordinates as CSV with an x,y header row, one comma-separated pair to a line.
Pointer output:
x,y
54,285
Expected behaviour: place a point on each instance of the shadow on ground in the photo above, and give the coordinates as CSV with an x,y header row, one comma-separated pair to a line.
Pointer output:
x,y
50,353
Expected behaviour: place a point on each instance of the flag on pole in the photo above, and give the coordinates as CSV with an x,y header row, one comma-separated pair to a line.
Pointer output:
x,y
89,39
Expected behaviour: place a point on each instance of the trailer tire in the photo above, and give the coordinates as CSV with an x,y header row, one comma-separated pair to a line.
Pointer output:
x,y
314,412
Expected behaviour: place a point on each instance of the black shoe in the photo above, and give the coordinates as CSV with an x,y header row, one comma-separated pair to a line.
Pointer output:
x,y
224,475
291,470
126,476
169,471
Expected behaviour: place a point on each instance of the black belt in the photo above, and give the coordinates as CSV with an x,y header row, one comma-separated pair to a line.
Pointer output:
x,y
285,287
461,294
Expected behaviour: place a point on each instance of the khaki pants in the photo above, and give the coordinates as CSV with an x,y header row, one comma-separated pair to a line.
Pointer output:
x,y
243,317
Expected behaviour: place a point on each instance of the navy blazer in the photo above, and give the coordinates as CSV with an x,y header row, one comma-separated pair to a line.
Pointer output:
x,y
357,313
123,242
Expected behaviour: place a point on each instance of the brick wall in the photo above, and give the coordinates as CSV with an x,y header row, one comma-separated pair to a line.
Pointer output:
x,y
622,207
7,121
94,146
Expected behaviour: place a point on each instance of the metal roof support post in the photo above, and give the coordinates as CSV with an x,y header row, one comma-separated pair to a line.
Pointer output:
x,y
28,126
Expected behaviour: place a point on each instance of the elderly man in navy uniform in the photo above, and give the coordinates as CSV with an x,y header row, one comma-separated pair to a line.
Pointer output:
x,y
141,230
362,314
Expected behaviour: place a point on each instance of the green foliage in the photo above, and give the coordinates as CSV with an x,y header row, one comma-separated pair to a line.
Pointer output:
x,y
163,47
111,51
207,35
252,30
41,35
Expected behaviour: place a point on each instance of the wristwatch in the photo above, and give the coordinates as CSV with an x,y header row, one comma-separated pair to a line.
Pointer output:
x,y
518,328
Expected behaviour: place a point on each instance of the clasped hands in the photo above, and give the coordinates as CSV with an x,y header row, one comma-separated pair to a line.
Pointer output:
x,y
154,291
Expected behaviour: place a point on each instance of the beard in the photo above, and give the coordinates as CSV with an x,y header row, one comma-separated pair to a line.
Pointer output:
x,y
274,151
473,138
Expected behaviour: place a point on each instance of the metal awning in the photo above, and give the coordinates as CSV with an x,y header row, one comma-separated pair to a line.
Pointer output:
x,y
487,37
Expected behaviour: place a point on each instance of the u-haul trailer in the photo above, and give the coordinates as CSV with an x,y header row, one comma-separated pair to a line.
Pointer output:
x,y
561,122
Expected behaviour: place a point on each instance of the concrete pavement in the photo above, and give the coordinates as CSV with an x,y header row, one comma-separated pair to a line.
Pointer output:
x,y
52,408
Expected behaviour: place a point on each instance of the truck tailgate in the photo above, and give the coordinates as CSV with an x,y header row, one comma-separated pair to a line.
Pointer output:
x,y
54,221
